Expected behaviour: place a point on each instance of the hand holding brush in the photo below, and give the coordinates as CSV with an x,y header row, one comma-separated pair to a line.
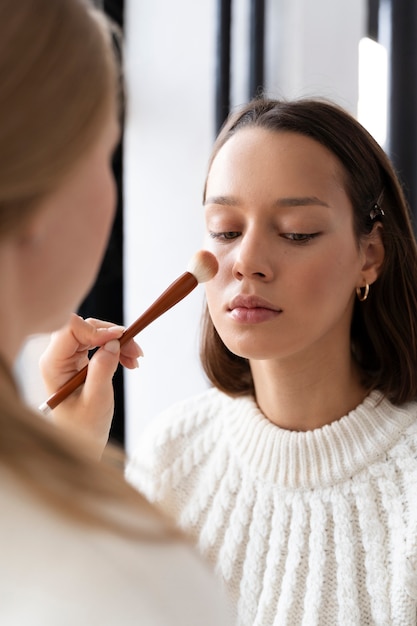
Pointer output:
x,y
202,267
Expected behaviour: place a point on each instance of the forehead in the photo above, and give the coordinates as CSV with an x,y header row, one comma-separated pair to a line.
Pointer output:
x,y
275,157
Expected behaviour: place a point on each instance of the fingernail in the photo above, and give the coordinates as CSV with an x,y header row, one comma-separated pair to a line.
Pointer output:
x,y
112,346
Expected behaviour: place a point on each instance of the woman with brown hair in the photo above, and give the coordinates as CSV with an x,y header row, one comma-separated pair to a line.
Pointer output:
x,y
78,544
296,473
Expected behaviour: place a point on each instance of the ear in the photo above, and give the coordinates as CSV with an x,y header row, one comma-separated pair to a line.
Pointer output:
x,y
373,253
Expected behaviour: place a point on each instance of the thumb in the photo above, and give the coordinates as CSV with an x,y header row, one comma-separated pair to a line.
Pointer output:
x,y
102,367
97,393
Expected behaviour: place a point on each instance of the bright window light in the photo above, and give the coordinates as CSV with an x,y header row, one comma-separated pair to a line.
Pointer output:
x,y
373,88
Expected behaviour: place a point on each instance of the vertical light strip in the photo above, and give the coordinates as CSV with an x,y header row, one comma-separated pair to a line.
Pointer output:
x,y
373,88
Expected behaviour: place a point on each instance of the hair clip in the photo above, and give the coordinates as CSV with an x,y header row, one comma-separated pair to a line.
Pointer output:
x,y
376,213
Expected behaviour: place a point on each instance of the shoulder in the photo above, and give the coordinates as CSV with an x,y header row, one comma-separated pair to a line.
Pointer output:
x,y
191,412
180,442
404,452
69,573
405,445
183,422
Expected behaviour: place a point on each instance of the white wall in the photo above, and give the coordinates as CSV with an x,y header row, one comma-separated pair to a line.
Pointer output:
x,y
312,50
169,64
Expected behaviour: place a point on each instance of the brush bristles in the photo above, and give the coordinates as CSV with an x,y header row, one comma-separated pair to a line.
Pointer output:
x,y
203,265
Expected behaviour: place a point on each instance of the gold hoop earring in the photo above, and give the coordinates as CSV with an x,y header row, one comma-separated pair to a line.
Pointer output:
x,y
362,295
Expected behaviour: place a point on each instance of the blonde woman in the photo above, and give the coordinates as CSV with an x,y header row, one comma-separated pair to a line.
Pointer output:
x,y
78,546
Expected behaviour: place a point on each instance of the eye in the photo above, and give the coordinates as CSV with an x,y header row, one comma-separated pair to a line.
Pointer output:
x,y
300,237
224,236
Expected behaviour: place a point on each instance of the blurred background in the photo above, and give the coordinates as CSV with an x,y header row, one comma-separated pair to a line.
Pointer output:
x,y
186,65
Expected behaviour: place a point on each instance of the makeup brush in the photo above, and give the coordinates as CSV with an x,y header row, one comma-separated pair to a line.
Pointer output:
x,y
201,268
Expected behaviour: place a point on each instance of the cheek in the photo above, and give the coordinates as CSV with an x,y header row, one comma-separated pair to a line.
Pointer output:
x,y
212,298
103,207
216,296
333,275
106,195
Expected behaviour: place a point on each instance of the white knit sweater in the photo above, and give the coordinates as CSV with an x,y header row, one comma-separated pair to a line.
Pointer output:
x,y
306,528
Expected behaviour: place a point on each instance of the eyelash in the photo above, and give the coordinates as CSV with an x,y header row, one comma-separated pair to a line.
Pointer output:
x,y
300,238
225,236
297,238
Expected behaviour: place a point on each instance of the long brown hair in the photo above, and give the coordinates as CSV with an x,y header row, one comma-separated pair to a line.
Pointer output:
x,y
59,77
384,328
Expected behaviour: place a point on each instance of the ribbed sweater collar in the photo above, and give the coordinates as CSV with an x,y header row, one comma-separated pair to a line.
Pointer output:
x,y
320,457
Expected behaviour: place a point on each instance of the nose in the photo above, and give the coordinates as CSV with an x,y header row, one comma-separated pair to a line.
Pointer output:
x,y
251,259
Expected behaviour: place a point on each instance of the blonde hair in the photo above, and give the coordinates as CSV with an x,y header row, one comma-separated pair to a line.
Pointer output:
x,y
58,77
59,469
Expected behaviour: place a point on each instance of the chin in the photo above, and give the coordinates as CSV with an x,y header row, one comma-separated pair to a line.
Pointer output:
x,y
249,352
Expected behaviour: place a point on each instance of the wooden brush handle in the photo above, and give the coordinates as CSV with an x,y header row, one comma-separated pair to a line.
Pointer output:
x,y
173,294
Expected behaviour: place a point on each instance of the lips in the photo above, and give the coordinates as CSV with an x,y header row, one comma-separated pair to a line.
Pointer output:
x,y
252,302
252,309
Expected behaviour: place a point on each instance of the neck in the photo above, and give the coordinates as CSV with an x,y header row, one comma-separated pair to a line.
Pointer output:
x,y
308,393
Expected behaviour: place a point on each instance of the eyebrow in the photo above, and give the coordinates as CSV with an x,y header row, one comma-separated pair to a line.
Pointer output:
x,y
303,201
281,202
221,200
